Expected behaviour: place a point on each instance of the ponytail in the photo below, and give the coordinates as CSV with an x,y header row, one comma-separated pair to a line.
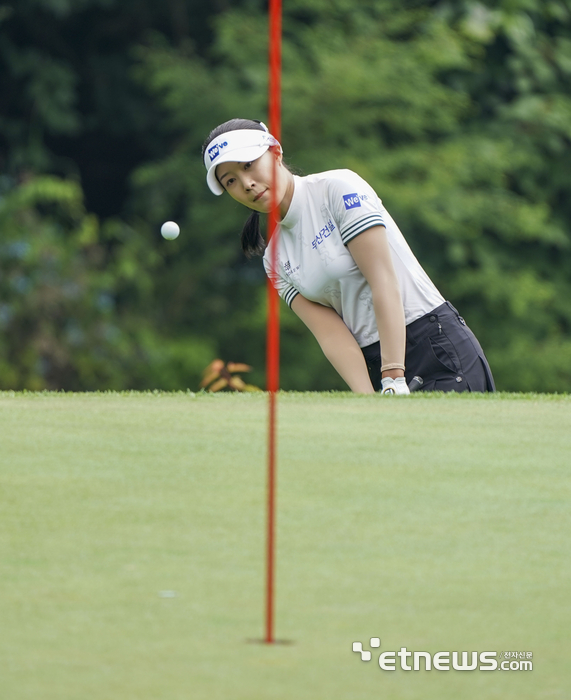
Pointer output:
x,y
252,240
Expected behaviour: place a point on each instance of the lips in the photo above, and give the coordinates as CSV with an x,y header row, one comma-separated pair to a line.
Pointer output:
x,y
260,195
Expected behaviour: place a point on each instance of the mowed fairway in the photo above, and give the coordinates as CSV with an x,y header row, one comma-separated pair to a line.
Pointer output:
x,y
133,531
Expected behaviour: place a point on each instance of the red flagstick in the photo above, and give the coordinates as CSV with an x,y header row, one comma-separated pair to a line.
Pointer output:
x,y
273,330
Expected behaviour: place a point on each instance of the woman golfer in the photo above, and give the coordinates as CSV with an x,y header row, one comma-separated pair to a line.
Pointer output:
x,y
346,270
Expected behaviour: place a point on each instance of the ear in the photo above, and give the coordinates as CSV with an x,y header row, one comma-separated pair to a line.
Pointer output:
x,y
278,153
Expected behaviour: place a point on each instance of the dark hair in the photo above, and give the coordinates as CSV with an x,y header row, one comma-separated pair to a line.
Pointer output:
x,y
252,241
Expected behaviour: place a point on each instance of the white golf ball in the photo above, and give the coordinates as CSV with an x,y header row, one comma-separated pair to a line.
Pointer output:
x,y
170,230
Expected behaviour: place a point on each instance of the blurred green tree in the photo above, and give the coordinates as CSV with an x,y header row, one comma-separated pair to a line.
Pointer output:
x,y
74,299
68,103
78,311
456,114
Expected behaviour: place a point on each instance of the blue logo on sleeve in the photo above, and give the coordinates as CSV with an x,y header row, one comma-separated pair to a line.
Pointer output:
x,y
351,201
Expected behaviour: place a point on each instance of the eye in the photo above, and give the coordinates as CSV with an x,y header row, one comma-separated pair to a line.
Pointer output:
x,y
247,165
229,182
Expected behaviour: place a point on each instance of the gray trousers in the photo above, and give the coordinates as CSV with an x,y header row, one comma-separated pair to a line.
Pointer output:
x,y
442,350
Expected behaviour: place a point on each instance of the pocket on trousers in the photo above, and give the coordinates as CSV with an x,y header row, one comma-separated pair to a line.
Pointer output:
x,y
444,354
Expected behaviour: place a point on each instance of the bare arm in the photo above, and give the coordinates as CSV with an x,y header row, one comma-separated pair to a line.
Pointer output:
x,y
337,342
371,252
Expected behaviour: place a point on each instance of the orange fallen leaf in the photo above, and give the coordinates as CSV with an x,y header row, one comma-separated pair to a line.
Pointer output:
x,y
220,384
238,367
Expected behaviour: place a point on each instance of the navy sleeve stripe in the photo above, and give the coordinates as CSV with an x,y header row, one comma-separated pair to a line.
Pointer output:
x,y
362,225
290,295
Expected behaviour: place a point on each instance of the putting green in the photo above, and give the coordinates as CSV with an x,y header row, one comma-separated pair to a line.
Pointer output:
x,y
132,545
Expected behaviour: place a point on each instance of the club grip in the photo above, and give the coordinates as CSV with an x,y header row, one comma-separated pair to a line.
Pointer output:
x,y
416,383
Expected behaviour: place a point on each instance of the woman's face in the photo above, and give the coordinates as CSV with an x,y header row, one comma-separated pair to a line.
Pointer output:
x,y
251,183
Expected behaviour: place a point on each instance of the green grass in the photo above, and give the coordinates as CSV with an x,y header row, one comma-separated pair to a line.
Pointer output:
x,y
438,523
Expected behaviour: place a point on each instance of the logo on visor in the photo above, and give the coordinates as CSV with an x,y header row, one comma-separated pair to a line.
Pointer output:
x,y
351,201
214,151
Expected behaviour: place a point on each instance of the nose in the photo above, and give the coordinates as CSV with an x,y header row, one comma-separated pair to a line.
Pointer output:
x,y
247,182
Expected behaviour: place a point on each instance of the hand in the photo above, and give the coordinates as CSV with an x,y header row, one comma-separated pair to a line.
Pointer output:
x,y
394,386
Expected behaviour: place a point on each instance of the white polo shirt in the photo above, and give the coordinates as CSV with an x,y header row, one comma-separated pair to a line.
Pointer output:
x,y
327,211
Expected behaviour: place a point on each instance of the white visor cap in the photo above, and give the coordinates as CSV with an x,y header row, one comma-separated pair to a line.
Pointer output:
x,y
240,146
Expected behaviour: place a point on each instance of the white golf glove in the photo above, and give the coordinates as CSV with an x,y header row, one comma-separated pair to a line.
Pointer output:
x,y
394,386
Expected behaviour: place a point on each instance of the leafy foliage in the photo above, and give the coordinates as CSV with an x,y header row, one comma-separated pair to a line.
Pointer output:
x,y
458,114
74,296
